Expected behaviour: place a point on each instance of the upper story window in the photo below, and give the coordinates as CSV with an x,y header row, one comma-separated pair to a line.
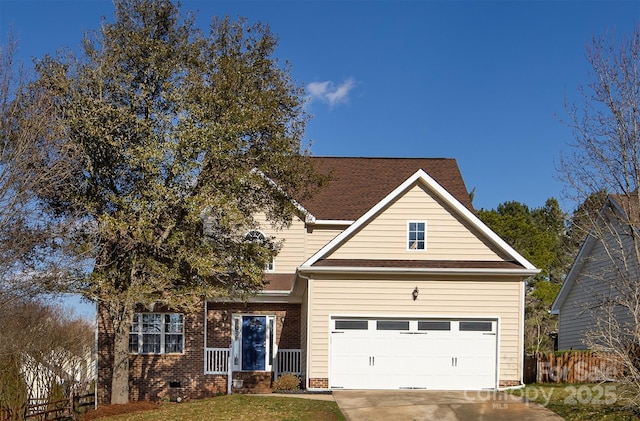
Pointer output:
x,y
270,266
417,235
256,236
157,333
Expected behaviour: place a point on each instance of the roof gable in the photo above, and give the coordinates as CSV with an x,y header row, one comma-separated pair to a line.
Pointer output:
x,y
442,194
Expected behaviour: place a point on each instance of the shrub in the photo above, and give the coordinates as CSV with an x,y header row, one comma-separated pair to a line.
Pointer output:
x,y
286,383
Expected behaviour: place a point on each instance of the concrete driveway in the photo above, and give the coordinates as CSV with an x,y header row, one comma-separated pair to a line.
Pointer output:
x,y
423,405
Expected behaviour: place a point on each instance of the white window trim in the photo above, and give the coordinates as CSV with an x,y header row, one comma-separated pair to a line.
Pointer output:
x,y
273,260
161,334
414,221
271,266
258,232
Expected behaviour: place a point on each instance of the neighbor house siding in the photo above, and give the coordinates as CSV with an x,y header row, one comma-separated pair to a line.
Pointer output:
x,y
451,298
385,237
574,319
591,287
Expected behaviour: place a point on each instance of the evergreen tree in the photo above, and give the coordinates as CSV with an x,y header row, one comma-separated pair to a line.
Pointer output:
x,y
182,137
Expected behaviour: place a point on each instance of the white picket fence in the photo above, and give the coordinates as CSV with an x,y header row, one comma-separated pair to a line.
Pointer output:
x,y
216,361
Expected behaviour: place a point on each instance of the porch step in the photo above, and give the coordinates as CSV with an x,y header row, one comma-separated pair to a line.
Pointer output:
x,y
253,382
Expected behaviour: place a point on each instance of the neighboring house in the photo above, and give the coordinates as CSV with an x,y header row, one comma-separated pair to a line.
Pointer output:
x,y
74,372
386,280
605,266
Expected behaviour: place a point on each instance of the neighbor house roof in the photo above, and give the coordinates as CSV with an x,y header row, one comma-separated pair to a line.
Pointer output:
x,y
357,184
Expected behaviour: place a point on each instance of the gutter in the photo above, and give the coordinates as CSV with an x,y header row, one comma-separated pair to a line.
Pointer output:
x,y
418,271
329,222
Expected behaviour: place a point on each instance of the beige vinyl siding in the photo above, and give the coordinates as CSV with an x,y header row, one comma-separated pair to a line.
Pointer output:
x,y
385,237
318,238
591,287
298,244
292,240
371,298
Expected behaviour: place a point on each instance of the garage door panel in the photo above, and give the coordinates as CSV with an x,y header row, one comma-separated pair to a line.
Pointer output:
x,y
350,355
447,358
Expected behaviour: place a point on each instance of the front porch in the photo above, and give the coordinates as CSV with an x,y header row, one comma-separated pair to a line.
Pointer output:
x,y
252,344
216,362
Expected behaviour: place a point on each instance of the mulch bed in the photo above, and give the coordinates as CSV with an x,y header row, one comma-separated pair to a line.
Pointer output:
x,y
110,410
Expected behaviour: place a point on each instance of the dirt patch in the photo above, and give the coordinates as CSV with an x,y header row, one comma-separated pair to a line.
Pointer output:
x,y
110,410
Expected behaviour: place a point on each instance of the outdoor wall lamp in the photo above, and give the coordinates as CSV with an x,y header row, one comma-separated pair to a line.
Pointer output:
x,y
415,293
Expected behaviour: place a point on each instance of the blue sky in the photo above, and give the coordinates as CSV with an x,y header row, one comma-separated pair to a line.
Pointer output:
x,y
479,81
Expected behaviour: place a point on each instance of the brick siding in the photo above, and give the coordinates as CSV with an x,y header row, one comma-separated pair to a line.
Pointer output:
x,y
318,383
509,383
156,377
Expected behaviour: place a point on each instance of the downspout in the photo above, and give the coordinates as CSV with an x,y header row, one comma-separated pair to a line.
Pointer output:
x,y
522,315
523,293
204,342
306,351
95,389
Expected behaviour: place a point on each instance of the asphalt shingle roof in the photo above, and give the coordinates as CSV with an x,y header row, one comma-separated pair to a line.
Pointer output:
x,y
357,184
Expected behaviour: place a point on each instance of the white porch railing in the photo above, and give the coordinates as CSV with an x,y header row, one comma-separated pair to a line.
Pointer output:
x,y
216,361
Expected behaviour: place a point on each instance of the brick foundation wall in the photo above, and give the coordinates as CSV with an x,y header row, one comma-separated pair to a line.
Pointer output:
x,y
253,382
508,383
156,377
318,383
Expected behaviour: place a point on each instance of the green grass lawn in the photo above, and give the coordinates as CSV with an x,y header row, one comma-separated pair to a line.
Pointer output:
x,y
578,402
237,408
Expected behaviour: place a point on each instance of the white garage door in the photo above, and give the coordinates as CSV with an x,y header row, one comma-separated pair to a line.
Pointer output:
x,y
413,353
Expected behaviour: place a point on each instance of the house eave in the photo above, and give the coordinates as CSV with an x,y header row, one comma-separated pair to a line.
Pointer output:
x,y
330,222
266,296
420,271
275,297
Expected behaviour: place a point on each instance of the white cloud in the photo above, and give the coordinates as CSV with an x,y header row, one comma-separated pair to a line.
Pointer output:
x,y
329,93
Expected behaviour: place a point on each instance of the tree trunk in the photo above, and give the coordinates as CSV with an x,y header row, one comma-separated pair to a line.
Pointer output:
x,y
120,376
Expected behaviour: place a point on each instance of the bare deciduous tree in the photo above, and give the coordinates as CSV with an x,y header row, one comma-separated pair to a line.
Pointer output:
x,y
37,345
42,347
31,163
606,157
